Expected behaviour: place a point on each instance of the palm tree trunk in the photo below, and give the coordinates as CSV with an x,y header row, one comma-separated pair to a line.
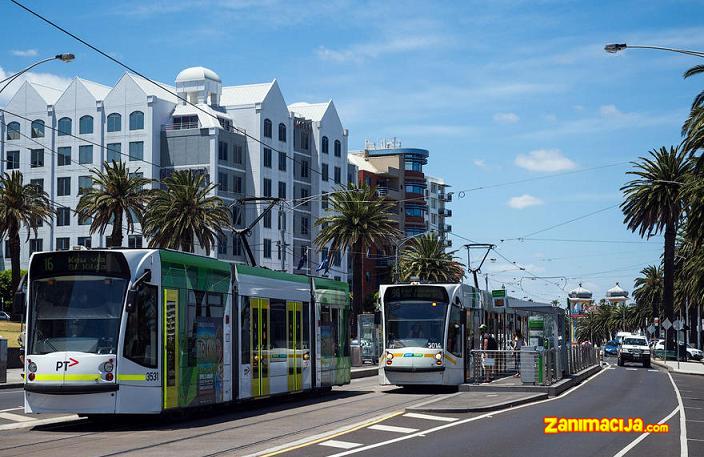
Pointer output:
x,y
357,284
668,293
14,238
116,235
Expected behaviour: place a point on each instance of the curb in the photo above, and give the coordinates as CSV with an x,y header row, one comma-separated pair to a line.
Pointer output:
x,y
11,385
365,373
674,370
479,409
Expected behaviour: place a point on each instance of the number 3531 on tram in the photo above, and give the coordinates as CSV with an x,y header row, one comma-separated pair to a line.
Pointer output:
x,y
144,331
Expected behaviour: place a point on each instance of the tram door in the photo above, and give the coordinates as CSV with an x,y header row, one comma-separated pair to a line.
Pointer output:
x,y
294,324
259,344
170,356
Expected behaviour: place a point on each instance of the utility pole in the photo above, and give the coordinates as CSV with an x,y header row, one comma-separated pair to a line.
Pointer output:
x,y
282,236
474,271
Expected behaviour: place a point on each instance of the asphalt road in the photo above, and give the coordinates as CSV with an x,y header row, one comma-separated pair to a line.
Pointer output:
x,y
619,392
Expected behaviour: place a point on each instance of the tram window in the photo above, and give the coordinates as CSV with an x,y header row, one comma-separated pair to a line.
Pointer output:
x,y
216,305
277,329
336,324
141,341
244,325
306,325
454,332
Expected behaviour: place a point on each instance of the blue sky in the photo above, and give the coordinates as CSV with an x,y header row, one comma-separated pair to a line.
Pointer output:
x,y
498,91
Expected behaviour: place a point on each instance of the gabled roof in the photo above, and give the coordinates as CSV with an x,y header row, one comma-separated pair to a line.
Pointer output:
x,y
97,90
49,94
150,88
247,94
312,111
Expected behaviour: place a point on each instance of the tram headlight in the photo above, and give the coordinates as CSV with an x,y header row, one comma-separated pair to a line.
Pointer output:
x,y
306,356
108,367
32,367
438,356
389,356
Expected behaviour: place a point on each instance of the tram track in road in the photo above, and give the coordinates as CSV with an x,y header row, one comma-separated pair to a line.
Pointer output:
x,y
340,403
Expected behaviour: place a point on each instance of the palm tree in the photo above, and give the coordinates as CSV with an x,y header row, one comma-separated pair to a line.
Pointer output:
x,y
693,128
648,288
425,257
115,194
20,205
357,219
185,211
654,202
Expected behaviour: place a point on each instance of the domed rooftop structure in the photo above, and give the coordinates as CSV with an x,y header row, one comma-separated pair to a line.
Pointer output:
x,y
580,293
616,293
197,74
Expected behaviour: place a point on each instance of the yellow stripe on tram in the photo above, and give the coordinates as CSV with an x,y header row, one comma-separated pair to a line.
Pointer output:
x,y
132,377
451,359
67,377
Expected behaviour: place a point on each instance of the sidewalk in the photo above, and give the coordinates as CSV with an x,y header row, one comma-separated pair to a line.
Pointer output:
x,y
696,368
14,379
474,402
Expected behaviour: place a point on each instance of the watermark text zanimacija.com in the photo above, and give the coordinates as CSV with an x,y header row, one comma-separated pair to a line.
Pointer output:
x,y
555,425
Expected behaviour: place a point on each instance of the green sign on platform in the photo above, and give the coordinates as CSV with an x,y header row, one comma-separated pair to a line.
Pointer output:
x,y
499,293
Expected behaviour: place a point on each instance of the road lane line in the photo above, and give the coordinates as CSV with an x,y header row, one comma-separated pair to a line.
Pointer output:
x,y
11,409
632,369
15,417
656,371
339,444
430,417
35,422
640,438
465,421
684,451
392,428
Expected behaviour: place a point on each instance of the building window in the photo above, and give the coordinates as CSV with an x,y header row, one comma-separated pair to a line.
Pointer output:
x,y
415,211
415,188
324,145
114,122
304,195
304,168
136,120
13,160
36,245
282,189
136,150
64,126
85,154
338,175
63,216
64,156
304,226
324,201
63,244
84,183
267,128
412,165
134,242
85,125
222,181
39,182
37,158
324,171
305,140
267,220
84,241
63,186
338,148
267,157
267,248
282,132
238,153
222,245
114,153
282,161
13,131
267,187
85,220
222,150
38,129
238,184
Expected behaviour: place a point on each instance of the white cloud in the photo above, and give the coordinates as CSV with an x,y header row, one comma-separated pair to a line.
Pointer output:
x,y
548,160
371,50
24,52
524,201
506,118
47,80
609,111
479,163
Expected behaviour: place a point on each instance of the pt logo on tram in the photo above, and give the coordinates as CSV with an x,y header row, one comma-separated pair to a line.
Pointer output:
x,y
66,363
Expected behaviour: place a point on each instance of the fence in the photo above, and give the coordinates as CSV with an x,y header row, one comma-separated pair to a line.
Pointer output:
x,y
581,357
533,367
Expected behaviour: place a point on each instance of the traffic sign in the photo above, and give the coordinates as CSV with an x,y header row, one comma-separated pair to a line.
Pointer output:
x,y
656,320
498,293
678,325
651,329
666,324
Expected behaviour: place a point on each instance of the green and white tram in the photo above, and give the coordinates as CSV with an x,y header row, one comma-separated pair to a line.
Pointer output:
x,y
145,331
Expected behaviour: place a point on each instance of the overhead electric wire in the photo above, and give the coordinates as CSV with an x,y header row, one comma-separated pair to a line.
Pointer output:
x,y
563,223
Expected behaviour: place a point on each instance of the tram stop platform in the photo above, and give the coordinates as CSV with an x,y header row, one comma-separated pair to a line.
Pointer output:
x,y
475,402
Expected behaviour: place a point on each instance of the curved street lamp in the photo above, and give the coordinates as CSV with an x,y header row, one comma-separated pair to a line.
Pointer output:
x,y
62,57
613,48
398,245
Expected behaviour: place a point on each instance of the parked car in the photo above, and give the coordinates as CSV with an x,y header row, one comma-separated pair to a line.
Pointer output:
x,y
634,349
4,316
660,352
611,348
694,353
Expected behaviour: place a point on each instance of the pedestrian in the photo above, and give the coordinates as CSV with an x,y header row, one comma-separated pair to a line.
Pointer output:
x,y
489,346
518,343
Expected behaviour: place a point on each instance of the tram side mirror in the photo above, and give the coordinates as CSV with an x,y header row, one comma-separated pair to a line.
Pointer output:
x,y
133,292
19,300
377,318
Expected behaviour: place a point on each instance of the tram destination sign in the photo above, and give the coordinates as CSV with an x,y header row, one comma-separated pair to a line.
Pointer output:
x,y
79,262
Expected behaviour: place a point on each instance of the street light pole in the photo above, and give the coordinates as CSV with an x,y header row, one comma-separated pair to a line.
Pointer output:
x,y
613,48
61,57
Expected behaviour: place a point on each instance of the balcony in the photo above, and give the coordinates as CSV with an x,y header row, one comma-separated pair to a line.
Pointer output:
x,y
448,243
446,197
446,213
181,126
447,228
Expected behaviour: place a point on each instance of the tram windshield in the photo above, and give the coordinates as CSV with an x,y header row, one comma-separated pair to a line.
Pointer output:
x,y
415,324
76,313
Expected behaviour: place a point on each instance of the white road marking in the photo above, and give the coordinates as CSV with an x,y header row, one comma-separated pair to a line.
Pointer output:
x,y
391,428
465,421
35,422
339,444
695,439
656,371
692,407
640,438
632,369
430,417
15,417
11,409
